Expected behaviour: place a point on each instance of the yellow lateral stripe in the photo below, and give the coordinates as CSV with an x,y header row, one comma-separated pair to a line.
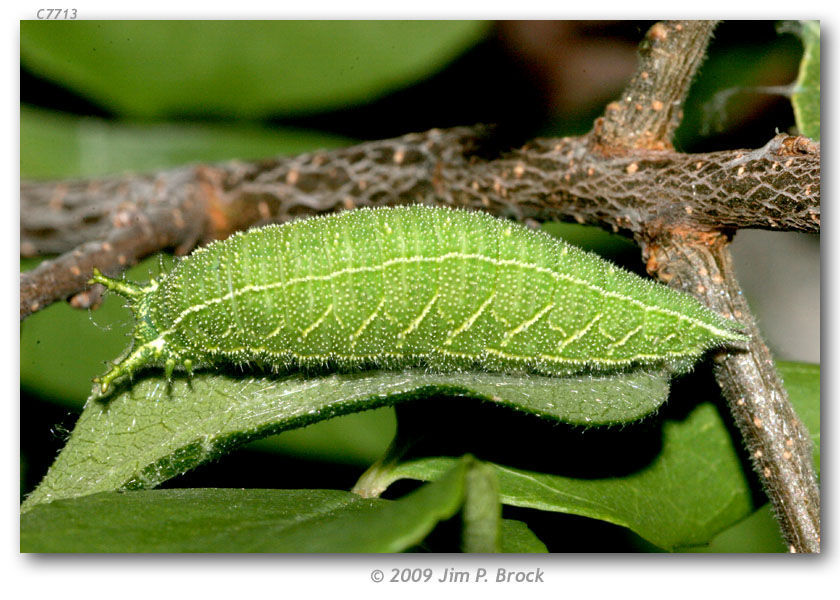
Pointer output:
x,y
526,324
579,334
317,322
624,362
469,322
416,322
619,343
450,256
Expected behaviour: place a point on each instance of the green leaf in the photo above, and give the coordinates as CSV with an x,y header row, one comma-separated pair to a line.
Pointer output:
x,y
723,95
245,69
56,145
256,520
802,382
806,95
518,539
482,511
658,502
757,533
234,520
694,487
156,430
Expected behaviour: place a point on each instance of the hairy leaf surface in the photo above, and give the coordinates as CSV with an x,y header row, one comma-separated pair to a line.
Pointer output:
x,y
156,430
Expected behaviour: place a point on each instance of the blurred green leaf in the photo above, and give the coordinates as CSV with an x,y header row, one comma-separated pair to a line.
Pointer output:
x,y
244,69
806,94
482,514
802,382
234,520
759,532
693,489
729,83
518,539
158,429
57,145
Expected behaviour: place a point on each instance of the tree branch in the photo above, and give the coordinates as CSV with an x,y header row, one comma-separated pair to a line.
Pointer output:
x,y
778,442
697,260
114,222
650,108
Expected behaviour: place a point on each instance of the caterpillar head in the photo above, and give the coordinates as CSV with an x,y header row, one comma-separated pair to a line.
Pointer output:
x,y
149,346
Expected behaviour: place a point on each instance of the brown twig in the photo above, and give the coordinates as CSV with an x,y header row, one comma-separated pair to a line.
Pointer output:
x,y
778,442
650,107
698,260
127,218
124,222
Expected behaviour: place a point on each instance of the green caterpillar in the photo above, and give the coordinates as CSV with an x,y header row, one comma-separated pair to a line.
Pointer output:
x,y
410,286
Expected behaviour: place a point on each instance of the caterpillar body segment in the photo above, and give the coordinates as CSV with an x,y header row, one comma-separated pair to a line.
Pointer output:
x,y
411,286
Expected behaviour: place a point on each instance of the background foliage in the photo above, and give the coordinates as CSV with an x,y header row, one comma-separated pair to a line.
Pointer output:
x,y
101,98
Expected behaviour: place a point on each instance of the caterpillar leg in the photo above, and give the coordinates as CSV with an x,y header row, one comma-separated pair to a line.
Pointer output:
x,y
137,359
169,368
150,353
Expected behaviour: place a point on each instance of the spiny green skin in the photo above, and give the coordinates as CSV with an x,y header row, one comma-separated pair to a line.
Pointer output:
x,y
411,286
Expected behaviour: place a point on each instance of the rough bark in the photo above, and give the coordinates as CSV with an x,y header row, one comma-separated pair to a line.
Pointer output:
x,y
114,222
778,443
650,109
